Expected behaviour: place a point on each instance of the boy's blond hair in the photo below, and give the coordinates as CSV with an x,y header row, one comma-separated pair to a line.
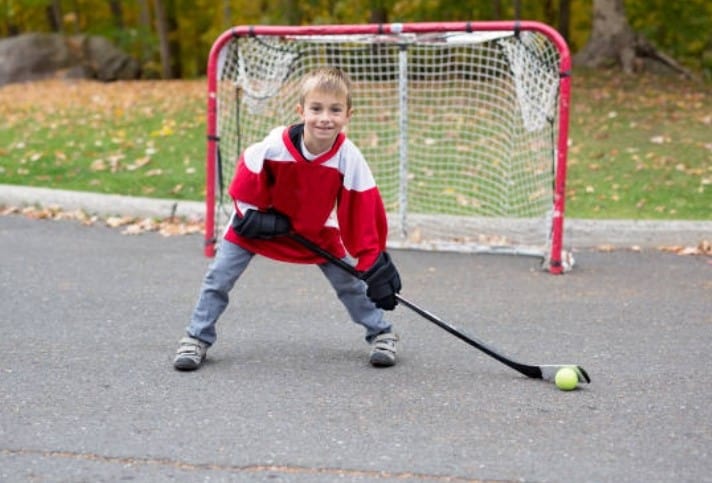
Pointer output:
x,y
326,79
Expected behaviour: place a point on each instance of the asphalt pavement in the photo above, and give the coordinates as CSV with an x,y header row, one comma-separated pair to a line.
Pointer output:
x,y
90,321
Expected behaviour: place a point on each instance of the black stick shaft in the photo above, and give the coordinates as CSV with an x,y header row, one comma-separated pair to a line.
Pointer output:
x,y
527,370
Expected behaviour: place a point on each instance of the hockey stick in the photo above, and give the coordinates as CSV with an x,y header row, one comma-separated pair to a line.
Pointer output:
x,y
545,372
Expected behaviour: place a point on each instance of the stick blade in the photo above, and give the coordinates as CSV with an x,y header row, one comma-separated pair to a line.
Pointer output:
x,y
548,372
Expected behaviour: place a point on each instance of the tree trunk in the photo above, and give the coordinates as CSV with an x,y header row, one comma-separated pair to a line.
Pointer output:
x,y
379,12
144,22
117,13
163,44
613,42
174,39
170,49
54,16
549,12
565,20
612,39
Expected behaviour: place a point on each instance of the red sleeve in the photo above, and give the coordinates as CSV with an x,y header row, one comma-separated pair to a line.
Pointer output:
x,y
363,225
250,187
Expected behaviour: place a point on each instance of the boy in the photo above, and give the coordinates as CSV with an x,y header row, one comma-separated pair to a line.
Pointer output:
x,y
308,179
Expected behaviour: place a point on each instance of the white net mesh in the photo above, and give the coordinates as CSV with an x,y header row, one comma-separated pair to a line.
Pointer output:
x,y
262,68
535,82
459,129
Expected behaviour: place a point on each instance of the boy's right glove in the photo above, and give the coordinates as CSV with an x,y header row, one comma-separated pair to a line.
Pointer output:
x,y
383,282
261,224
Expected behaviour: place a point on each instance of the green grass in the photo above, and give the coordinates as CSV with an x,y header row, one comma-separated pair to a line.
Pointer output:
x,y
641,148
139,139
640,145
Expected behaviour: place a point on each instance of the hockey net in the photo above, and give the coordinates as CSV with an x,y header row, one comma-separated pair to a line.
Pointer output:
x,y
464,125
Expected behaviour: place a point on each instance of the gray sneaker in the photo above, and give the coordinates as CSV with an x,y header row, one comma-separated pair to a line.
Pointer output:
x,y
190,354
383,353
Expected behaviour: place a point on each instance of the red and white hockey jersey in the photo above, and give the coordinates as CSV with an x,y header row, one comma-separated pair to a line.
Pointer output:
x,y
332,200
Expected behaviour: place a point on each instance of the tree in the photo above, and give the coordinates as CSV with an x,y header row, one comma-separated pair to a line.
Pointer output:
x,y
54,16
117,13
378,11
565,20
614,42
144,28
166,26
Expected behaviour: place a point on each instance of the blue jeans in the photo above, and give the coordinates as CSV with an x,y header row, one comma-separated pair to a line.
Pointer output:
x,y
231,260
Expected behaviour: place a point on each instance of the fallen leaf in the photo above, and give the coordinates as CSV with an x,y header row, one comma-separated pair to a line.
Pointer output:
x,y
139,163
117,221
98,165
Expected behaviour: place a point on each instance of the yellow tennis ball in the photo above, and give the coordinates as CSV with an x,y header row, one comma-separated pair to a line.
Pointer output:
x,y
566,379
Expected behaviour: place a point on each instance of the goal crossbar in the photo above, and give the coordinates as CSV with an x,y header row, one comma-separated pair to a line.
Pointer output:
x,y
465,124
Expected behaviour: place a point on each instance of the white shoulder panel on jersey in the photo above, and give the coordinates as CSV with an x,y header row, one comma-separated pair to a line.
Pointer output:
x,y
271,147
355,169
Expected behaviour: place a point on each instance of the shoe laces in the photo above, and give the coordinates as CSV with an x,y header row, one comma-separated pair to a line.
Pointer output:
x,y
386,341
190,346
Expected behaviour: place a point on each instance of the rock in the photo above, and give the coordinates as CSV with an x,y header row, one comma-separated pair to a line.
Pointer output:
x,y
36,56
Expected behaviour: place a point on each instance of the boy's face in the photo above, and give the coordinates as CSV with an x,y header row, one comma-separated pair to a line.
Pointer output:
x,y
324,115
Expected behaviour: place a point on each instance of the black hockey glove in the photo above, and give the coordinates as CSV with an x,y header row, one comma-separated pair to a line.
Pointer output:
x,y
383,282
261,224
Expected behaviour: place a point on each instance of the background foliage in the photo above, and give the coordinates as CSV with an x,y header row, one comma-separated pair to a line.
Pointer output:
x,y
193,25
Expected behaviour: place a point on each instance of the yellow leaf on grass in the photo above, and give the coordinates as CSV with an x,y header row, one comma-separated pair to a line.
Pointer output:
x,y
167,129
139,163
98,165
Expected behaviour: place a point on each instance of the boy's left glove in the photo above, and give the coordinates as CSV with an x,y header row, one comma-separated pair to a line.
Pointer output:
x,y
383,282
261,224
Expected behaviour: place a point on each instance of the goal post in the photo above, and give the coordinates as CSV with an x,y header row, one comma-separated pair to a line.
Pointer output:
x,y
464,124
